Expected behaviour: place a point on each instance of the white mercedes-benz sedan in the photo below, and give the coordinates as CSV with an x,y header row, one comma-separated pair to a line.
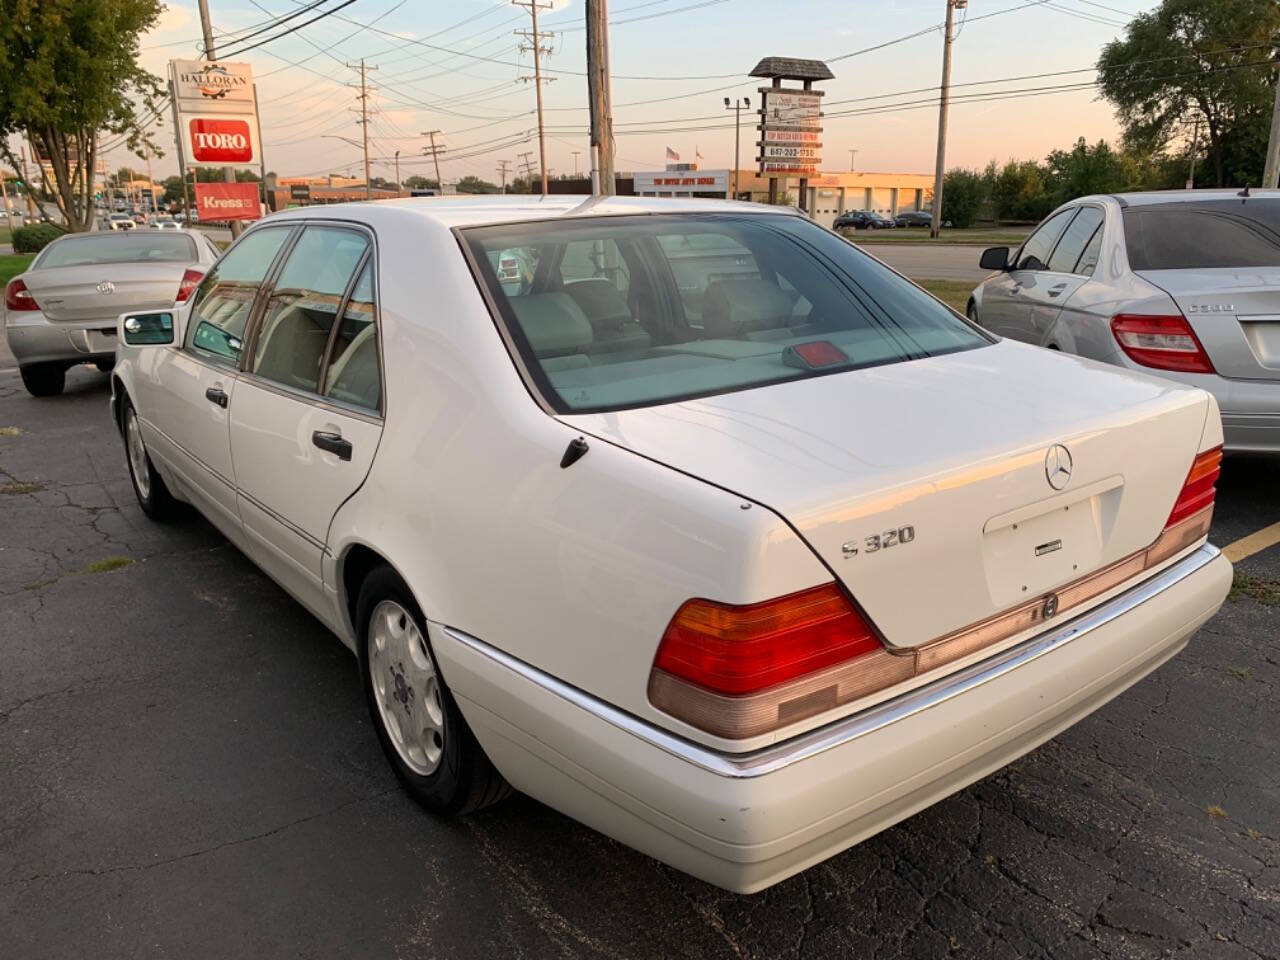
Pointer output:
x,y
689,519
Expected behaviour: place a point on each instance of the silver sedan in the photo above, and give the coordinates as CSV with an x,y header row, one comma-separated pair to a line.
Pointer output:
x,y
1182,284
62,311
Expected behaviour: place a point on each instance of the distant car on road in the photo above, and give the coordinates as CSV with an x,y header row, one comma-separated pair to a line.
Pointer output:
x,y
690,519
861,220
165,223
62,311
1184,284
119,221
914,218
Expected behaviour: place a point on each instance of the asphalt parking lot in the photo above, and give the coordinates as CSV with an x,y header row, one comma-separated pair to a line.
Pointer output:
x,y
187,769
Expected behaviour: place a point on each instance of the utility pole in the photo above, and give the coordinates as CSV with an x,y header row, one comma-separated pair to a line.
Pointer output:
x,y
528,167
1271,176
1195,143
397,173
736,106
944,101
503,165
852,154
576,155
600,98
364,124
151,180
210,54
535,45
434,153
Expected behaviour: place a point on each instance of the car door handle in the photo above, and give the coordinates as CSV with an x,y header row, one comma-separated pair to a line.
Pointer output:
x,y
1056,289
333,443
216,395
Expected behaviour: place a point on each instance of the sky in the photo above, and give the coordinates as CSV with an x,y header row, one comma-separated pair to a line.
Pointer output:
x,y
457,67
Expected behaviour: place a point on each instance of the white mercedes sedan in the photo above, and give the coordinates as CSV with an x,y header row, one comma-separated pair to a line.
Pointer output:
x,y
687,518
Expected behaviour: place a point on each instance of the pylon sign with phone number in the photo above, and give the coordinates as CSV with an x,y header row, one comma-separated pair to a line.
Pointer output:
x,y
216,112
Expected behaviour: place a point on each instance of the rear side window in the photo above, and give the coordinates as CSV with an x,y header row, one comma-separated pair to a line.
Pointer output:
x,y
1202,234
1074,239
353,375
134,247
711,303
225,297
305,300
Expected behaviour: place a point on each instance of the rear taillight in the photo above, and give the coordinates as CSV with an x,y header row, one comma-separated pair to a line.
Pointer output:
x,y
18,297
740,671
1164,343
190,280
1200,487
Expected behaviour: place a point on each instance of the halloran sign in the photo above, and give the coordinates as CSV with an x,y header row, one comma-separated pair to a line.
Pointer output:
x,y
216,112
202,82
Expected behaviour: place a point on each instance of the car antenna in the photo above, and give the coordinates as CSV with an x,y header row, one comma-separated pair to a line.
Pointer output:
x,y
574,452
1244,192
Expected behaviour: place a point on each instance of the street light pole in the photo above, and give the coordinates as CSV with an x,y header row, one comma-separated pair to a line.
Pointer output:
x,y
397,173
852,154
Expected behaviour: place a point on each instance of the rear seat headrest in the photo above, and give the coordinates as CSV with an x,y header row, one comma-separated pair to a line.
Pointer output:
x,y
601,302
554,325
731,308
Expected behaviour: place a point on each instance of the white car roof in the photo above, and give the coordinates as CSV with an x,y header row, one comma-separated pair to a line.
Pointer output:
x,y
470,211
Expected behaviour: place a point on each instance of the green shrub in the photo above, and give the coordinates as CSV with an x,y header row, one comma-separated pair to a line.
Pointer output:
x,y
36,237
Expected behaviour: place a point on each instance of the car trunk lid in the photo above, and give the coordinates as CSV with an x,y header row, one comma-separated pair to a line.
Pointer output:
x,y
1235,313
930,487
103,291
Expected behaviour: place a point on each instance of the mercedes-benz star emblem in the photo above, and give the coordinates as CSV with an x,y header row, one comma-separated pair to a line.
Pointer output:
x,y
1057,466
1050,608
106,286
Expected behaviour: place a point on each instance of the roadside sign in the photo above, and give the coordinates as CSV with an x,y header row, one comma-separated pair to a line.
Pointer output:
x,y
228,201
793,109
299,191
216,113
790,132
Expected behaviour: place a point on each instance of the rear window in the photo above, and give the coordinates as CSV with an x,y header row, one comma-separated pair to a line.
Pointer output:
x,y
132,247
1193,235
617,312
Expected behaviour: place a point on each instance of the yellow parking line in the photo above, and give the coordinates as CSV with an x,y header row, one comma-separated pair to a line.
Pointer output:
x,y
1253,543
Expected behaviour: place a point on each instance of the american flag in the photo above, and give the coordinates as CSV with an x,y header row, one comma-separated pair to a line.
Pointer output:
x,y
672,155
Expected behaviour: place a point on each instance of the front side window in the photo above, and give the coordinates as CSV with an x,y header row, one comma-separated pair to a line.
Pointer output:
x,y
1035,252
225,297
712,303
1203,234
304,304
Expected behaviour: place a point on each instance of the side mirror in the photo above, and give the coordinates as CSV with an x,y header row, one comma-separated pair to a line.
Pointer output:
x,y
146,329
995,258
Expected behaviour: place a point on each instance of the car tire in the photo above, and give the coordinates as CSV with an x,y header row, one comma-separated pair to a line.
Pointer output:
x,y
148,486
422,732
44,379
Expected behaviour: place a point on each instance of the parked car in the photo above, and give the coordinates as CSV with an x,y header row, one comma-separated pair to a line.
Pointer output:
x,y
165,223
861,220
739,589
915,218
119,221
1183,284
62,310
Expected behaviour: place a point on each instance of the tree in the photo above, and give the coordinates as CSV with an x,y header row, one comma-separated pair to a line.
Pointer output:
x,y
215,175
69,71
1018,191
172,189
963,194
1083,170
1211,58
470,184
417,182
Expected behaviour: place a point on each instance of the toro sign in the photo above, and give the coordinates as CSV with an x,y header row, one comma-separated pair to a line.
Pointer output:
x,y
219,140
